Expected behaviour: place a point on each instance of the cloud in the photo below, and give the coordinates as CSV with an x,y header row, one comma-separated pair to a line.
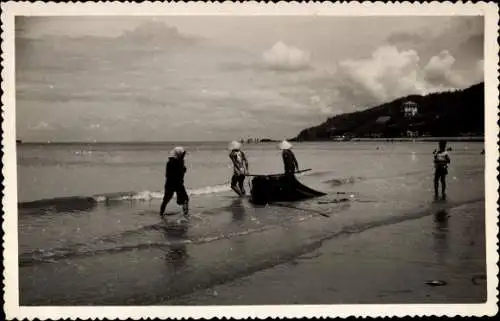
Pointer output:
x,y
473,45
388,73
284,57
438,71
391,73
452,30
478,72
461,36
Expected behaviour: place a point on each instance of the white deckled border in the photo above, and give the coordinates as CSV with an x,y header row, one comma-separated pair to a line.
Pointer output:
x,y
9,201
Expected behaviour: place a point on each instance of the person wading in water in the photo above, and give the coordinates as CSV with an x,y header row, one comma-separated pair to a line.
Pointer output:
x,y
289,161
441,161
174,180
240,168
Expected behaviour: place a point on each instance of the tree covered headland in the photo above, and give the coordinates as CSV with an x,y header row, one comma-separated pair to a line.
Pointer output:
x,y
445,114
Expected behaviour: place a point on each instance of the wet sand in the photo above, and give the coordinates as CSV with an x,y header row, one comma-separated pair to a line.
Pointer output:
x,y
385,264
379,244
387,261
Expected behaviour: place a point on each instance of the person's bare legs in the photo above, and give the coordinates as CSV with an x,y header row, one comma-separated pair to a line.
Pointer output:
x,y
167,196
183,199
436,185
241,184
443,186
234,184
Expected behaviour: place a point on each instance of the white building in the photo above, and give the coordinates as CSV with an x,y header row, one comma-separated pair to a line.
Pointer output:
x,y
410,109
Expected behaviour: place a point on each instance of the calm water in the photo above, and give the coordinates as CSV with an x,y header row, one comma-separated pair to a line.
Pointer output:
x,y
368,184
52,170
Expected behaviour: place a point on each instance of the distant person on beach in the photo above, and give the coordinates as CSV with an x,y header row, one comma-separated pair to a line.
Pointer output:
x,y
441,161
174,180
289,161
240,168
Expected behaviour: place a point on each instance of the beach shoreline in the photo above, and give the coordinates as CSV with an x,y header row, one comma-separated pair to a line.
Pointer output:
x,y
121,252
379,262
388,264
471,139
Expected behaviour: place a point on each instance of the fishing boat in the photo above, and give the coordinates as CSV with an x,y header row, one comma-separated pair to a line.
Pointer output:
x,y
279,188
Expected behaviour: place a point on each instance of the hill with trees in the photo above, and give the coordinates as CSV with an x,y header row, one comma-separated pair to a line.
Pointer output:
x,y
445,114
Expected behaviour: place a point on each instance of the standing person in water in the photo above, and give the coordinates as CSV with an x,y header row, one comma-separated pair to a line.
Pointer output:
x,y
174,180
289,161
441,161
240,168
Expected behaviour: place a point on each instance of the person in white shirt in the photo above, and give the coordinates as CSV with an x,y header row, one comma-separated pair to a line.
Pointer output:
x,y
441,161
240,168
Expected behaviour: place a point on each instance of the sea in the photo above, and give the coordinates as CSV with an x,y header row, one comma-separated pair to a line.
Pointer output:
x,y
90,209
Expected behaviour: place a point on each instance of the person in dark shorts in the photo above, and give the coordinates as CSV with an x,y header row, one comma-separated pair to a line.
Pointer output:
x,y
240,168
289,161
441,161
174,180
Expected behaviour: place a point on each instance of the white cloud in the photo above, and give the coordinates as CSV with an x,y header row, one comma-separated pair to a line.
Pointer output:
x,y
282,56
438,72
391,73
479,71
388,73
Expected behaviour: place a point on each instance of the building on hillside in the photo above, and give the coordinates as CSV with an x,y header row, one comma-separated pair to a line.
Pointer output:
x,y
409,109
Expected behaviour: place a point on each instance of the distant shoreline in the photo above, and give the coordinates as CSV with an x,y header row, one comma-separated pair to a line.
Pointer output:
x,y
360,139
421,139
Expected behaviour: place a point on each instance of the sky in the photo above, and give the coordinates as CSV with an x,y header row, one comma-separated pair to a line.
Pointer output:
x,y
193,78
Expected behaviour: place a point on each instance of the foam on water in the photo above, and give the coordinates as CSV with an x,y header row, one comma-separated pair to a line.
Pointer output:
x,y
149,195
146,195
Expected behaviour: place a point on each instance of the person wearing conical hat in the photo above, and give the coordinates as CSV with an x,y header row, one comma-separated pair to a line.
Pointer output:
x,y
289,161
240,167
174,180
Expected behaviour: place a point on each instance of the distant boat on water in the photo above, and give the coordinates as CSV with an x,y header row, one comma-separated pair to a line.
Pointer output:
x,y
18,141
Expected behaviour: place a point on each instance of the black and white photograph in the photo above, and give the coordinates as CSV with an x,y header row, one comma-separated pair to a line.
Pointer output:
x,y
191,160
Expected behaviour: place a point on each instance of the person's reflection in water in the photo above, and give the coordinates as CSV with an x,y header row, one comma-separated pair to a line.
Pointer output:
x,y
176,236
237,210
441,246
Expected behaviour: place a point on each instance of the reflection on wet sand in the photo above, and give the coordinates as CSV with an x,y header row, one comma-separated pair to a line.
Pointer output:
x,y
441,246
176,252
237,210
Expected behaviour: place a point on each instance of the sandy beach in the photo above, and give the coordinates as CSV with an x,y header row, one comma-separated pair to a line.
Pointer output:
x,y
387,264
374,237
294,260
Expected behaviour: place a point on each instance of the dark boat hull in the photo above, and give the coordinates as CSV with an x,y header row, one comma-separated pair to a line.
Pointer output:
x,y
279,188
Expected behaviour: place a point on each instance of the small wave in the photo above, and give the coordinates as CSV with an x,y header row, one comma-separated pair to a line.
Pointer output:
x,y
210,190
319,173
80,203
343,181
148,195
82,250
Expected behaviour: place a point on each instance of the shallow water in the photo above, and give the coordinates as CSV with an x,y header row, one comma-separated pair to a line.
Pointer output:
x,y
368,185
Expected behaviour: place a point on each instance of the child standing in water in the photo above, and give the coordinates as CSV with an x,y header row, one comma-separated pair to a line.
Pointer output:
x,y
174,180
240,168
441,161
289,161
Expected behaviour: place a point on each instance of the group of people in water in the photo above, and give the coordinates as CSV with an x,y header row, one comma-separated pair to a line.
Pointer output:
x,y
176,170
